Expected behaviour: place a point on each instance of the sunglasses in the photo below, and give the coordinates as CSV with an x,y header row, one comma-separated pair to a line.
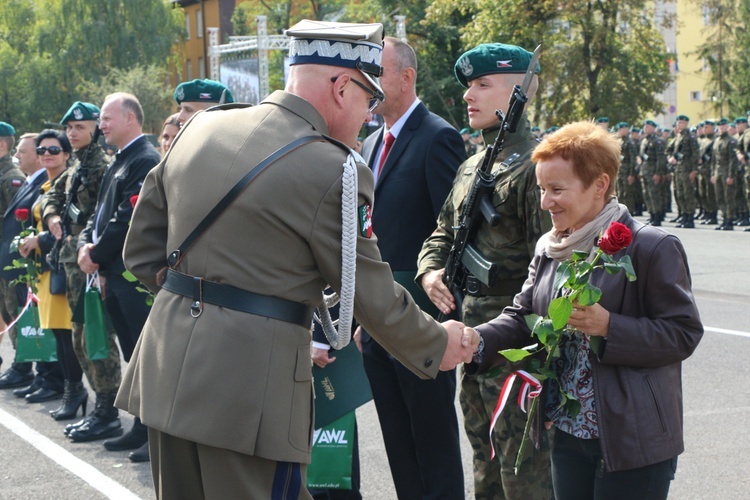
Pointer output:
x,y
53,150
377,96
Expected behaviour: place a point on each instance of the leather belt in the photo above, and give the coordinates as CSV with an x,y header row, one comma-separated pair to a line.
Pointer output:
x,y
476,288
218,294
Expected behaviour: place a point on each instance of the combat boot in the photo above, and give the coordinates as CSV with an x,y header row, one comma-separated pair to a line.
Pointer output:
x,y
726,225
744,220
655,219
687,223
105,421
678,219
710,219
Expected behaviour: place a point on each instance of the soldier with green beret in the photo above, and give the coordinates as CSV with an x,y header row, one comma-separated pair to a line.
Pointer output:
x,y
683,154
743,177
11,179
724,170
706,190
627,174
652,161
489,71
603,122
81,184
198,94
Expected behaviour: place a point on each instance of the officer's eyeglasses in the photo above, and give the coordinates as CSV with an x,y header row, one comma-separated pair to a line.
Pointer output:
x,y
377,96
53,150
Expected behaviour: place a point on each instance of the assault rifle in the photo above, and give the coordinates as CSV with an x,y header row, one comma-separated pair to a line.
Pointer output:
x,y
463,258
70,213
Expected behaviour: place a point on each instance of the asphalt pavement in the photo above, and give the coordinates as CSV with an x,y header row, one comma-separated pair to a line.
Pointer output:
x,y
38,462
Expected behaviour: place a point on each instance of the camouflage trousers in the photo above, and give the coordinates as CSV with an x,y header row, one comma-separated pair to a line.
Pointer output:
x,y
653,194
725,198
706,192
740,204
685,192
496,479
9,307
626,193
104,375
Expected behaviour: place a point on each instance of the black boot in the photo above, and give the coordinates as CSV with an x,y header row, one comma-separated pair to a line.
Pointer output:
x,y
687,223
104,421
74,396
678,219
134,439
744,220
140,455
656,219
710,219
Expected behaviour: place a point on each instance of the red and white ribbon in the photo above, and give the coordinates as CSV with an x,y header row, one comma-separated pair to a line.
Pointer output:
x,y
526,392
30,297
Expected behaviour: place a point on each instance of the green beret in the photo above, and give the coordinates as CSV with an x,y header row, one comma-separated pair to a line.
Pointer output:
x,y
709,122
6,129
475,134
603,119
622,125
741,119
552,129
203,91
723,121
635,129
491,58
683,118
80,112
465,131
651,122
536,129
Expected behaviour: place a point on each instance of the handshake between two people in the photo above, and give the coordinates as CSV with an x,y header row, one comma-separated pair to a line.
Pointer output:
x,y
462,343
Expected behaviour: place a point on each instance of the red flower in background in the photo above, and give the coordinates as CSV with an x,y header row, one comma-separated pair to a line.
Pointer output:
x,y
22,214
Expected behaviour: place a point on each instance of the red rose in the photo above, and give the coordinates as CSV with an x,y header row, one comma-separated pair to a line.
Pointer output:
x,y
133,200
22,214
615,238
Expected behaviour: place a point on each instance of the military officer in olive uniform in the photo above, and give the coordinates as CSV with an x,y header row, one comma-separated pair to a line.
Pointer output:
x,y
627,176
724,170
196,95
683,153
86,176
652,162
490,71
221,374
11,180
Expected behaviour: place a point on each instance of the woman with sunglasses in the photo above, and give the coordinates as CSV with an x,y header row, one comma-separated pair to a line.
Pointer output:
x,y
54,152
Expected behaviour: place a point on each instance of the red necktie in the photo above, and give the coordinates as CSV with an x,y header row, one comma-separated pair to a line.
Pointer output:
x,y
387,143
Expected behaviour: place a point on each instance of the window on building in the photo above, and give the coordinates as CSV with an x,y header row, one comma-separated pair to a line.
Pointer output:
x,y
695,95
201,68
199,24
189,68
187,26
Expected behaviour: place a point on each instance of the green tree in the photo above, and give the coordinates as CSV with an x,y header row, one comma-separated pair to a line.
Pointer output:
x,y
601,57
51,49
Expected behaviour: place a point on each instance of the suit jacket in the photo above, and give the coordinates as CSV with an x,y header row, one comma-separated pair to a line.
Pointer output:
x,y
24,198
654,326
111,219
230,379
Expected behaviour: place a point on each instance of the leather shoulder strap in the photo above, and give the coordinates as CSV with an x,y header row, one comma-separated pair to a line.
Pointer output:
x,y
175,257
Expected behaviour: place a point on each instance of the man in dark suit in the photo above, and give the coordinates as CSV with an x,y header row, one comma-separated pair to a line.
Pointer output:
x,y
100,243
48,383
412,180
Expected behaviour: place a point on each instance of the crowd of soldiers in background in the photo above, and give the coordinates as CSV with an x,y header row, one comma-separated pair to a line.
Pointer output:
x,y
703,168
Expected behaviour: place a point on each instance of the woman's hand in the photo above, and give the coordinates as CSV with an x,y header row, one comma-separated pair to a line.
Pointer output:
x,y
593,320
28,244
432,283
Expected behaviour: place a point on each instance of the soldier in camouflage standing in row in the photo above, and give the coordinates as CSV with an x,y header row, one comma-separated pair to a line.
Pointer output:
x,y
683,154
743,152
490,71
706,190
626,175
724,170
652,161
104,374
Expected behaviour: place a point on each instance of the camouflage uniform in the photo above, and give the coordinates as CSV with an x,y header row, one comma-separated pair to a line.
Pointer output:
x,y
724,165
684,148
706,191
743,177
11,180
103,375
626,192
653,162
511,244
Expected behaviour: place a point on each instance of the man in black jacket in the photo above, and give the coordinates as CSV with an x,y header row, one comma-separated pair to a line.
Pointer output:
x,y
100,244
